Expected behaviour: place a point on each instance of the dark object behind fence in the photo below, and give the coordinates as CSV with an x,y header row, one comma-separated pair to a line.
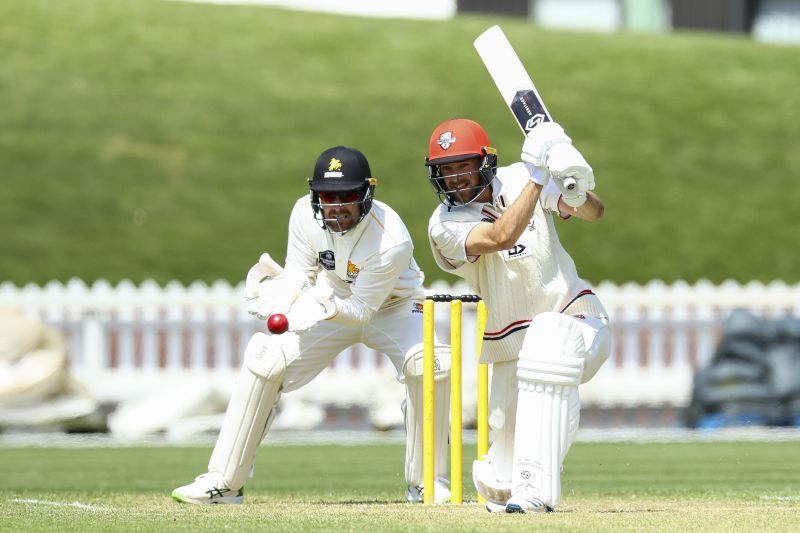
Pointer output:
x,y
753,377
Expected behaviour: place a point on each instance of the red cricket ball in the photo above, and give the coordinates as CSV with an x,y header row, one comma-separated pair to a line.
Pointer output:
x,y
277,323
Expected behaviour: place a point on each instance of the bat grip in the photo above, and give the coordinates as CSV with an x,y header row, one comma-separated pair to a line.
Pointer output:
x,y
570,183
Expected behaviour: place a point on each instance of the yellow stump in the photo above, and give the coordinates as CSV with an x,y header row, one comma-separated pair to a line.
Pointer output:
x,y
456,450
483,392
456,421
428,403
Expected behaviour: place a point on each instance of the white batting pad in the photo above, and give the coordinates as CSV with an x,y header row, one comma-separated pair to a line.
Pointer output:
x,y
597,338
250,410
503,418
542,436
412,371
549,371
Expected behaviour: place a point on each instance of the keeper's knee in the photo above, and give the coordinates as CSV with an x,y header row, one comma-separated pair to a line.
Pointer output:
x,y
264,357
413,364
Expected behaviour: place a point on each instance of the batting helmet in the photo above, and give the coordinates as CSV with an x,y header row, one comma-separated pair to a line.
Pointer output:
x,y
457,140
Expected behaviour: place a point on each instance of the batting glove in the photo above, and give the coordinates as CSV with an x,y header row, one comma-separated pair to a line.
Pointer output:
x,y
537,144
565,161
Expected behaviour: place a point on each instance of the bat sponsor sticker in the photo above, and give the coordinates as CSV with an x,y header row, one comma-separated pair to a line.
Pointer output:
x,y
528,110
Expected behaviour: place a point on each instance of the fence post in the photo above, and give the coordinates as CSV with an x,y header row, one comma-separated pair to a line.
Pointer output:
x,y
223,317
128,303
197,299
176,299
151,324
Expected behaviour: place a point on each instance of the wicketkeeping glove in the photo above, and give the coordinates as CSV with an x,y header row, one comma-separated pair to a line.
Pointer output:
x,y
264,269
276,295
314,305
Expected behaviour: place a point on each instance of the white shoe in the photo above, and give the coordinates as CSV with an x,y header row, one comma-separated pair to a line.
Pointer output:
x,y
207,489
495,507
441,492
526,502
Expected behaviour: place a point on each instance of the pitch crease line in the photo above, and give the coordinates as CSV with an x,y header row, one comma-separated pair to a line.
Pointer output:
x,y
79,505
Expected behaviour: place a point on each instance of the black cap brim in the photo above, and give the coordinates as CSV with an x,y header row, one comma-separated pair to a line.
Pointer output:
x,y
338,186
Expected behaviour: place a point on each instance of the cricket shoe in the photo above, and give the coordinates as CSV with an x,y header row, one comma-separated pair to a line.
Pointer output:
x,y
207,489
441,492
495,507
526,502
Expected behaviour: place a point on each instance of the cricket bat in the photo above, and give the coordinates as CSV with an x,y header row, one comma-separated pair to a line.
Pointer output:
x,y
513,82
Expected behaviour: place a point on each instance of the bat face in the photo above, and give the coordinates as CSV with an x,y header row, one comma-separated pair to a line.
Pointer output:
x,y
528,110
512,80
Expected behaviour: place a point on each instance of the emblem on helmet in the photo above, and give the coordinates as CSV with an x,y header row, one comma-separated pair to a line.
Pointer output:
x,y
446,139
335,164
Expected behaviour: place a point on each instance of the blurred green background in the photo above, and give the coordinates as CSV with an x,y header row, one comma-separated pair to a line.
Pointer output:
x,y
147,139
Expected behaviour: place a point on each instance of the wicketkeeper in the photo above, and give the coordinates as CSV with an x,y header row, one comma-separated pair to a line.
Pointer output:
x,y
547,332
350,277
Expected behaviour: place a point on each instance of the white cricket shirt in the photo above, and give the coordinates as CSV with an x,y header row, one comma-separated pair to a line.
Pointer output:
x,y
372,265
534,276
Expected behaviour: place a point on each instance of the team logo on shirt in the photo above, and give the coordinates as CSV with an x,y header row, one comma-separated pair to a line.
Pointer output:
x,y
416,308
327,260
446,140
517,252
352,271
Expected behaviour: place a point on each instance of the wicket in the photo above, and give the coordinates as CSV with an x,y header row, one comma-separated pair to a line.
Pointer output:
x,y
456,449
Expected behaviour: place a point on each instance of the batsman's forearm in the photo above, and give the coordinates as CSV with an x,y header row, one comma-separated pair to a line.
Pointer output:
x,y
503,234
509,227
592,209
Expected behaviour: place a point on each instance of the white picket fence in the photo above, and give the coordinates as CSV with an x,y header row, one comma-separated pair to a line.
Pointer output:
x,y
662,333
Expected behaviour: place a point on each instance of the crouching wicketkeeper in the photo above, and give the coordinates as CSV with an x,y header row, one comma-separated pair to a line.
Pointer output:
x,y
350,277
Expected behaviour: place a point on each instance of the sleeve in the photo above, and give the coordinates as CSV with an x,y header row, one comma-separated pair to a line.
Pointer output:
x,y
300,255
448,240
373,285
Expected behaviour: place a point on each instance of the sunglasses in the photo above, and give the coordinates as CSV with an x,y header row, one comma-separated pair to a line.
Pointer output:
x,y
339,197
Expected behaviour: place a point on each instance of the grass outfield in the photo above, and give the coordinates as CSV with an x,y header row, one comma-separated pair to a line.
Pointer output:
x,y
167,140
709,486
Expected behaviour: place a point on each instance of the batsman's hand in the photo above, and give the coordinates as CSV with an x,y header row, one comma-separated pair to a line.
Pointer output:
x,y
538,143
573,196
564,161
313,306
276,295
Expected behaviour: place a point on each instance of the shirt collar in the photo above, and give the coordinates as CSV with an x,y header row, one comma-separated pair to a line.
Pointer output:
x,y
497,191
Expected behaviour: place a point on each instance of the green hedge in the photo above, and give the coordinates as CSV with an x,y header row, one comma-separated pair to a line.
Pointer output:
x,y
164,140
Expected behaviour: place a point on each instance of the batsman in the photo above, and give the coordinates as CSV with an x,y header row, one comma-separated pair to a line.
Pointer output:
x,y
547,332
350,277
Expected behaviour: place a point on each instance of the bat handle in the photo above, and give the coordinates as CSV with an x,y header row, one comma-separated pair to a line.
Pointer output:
x,y
570,183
